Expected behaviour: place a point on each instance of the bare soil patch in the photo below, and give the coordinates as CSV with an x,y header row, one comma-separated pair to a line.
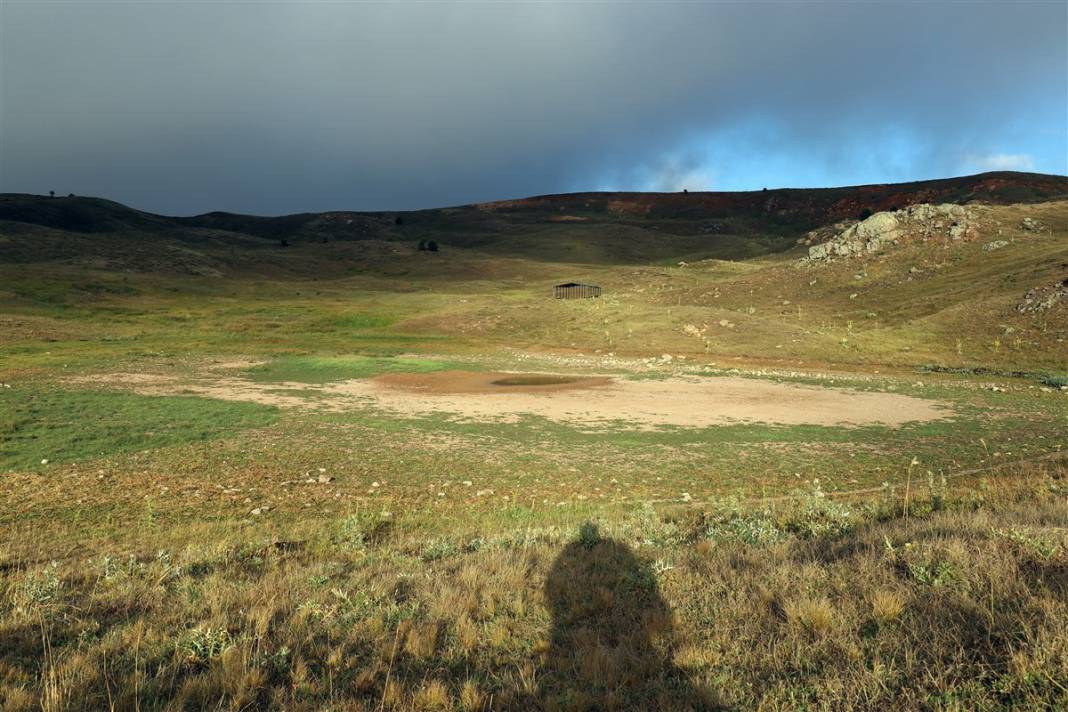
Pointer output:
x,y
591,401
678,401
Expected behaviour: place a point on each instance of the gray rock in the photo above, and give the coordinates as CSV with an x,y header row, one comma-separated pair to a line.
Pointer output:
x,y
882,230
1042,299
995,245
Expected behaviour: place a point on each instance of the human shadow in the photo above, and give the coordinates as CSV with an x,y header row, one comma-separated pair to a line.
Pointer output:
x,y
612,634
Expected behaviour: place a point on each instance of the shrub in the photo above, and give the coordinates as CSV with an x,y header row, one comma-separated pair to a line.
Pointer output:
x,y
360,530
201,645
755,528
1055,381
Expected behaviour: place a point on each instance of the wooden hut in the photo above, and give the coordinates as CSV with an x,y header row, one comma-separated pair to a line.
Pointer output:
x,y
574,290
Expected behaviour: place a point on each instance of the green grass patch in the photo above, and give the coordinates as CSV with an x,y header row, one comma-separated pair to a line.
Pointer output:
x,y
324,369
360,320
67,426
1055,381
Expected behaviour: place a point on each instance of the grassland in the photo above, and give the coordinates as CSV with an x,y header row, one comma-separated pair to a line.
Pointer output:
x,y
166,546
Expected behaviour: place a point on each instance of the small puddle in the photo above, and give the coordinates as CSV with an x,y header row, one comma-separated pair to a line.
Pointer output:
x,y
533,379
491,382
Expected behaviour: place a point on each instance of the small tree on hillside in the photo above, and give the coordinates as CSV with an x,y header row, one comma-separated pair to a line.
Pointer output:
x,y
431,246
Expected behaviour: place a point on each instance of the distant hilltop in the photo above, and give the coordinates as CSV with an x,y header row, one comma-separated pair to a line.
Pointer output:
x,y
805,207
820,204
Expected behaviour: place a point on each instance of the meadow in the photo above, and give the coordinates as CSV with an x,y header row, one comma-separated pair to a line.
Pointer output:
x,y
208,505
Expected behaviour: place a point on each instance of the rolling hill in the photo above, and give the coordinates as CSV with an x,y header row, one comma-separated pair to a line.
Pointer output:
x,y
621,228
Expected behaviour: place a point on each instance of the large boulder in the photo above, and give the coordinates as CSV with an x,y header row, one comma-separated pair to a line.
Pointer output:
x,y
876,232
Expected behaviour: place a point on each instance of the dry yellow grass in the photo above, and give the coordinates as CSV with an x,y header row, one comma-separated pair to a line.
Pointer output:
x,y
813,614
890,612
887,605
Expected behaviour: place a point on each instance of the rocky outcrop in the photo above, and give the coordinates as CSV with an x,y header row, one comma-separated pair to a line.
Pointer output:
x,y
875,233
1044,298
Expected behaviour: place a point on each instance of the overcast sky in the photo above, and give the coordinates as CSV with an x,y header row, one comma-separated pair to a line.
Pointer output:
x,y
186,107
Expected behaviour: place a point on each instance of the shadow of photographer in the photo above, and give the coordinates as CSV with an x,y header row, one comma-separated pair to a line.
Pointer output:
x,y
611,641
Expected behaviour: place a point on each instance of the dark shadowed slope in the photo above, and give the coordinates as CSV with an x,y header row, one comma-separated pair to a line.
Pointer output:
x,y
577,227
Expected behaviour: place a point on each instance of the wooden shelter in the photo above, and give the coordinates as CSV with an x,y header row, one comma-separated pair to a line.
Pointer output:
x,y
574,290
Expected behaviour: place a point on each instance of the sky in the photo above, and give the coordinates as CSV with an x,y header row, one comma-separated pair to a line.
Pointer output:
x,y
271,108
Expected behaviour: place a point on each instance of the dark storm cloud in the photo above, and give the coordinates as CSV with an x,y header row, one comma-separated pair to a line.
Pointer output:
x,y
270,108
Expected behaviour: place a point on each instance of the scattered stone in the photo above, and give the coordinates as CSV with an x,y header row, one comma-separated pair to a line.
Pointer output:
x,y
995,245
324,479
693,330
1031,225
1044,298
